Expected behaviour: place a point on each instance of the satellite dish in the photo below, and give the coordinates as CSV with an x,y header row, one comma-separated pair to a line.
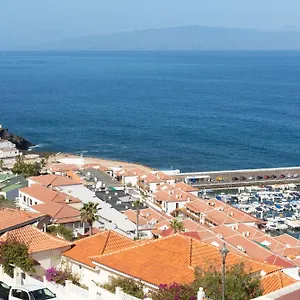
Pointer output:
x,y
44,222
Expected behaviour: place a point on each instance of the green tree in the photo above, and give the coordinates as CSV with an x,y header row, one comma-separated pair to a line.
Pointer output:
x,y
89,214
26,169
128,286
13,253
66,233
239,284
177,225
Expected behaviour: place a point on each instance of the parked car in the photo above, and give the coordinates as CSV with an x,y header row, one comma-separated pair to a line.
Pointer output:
x,y
251,178
243,178
266,177
259,177
288,175
234,179
30,293
282,176
4,291
295,175
273,176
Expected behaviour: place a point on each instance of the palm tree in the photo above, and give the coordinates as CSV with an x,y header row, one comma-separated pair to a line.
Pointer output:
x,y
137,204
177,225
88,213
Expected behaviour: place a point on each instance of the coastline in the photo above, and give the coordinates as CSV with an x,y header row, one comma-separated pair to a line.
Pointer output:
x,y
111,163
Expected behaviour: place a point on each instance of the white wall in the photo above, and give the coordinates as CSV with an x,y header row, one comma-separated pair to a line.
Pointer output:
x,y
87,274
130,180
168,207
47,259
28,198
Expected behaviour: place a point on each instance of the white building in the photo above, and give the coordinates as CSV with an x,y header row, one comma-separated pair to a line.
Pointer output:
x,y
8,153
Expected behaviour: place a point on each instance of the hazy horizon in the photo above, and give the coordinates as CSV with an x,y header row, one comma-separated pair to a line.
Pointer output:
x,y
33,22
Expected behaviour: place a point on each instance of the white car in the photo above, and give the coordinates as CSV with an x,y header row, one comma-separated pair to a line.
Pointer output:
x,y
295,175
30,293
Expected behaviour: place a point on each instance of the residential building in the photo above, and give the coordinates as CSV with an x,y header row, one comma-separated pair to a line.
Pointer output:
x,y
45,248
172,259
11,219
8,153
63,214
79,258
52,181
39,194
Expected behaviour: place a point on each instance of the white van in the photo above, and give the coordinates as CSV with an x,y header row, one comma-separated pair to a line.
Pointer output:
x,y
30,293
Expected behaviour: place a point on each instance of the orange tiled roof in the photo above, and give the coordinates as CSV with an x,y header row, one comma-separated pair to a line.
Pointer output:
x,y
275,281
36,240
131,215
98,244
172,259
53,180
185,187
46,195
63,167
163,176
61,213
287,239
16,218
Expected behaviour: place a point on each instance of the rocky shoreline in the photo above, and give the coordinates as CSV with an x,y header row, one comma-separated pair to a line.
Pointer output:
x,y
20,142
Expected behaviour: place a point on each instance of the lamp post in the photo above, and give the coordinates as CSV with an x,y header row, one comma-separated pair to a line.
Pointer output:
x,y
224,251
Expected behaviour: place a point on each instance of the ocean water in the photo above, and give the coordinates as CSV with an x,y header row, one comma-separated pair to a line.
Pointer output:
x,y
188,110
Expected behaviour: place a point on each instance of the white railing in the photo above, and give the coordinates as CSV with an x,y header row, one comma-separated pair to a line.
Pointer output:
x,y
67,291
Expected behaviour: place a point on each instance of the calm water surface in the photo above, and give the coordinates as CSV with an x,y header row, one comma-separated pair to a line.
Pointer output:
x,y
187,110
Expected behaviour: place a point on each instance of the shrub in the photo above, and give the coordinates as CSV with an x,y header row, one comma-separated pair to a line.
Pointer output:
x,y
59,276
13,253
174,291
66,233
129,286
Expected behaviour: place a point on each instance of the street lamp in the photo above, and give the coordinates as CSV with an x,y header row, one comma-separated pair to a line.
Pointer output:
x,y
224,251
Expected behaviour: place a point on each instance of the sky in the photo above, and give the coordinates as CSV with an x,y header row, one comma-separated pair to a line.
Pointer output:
x,y
33,22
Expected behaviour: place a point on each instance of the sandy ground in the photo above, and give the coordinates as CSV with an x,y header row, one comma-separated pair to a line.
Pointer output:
x,y
69,158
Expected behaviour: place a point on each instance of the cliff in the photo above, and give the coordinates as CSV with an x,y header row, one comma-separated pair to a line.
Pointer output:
x,y
20,142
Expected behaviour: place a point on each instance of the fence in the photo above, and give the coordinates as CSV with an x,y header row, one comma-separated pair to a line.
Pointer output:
x,y
67,291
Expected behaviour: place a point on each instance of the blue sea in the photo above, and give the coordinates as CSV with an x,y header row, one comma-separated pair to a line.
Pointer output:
x,y
188,110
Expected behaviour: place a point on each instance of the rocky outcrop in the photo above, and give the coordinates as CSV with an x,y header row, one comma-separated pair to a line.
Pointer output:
x,y
20,142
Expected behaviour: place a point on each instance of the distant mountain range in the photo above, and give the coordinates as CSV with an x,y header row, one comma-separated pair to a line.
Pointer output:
x,y
182,38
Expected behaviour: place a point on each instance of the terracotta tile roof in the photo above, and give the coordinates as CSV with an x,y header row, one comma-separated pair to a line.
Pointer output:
x,y
61,213
98,244
174,195
249,231
63,168
131,215
288,240
163,176
152,215
46,195
185,187
172,259
53,180
290,252
36,240
279,261
130,172
224,231
219,217
275,281
74,176
149,178
10,218
271,243
252,249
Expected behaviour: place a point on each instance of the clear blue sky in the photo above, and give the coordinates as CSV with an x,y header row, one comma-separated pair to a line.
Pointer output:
x,y
29,22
